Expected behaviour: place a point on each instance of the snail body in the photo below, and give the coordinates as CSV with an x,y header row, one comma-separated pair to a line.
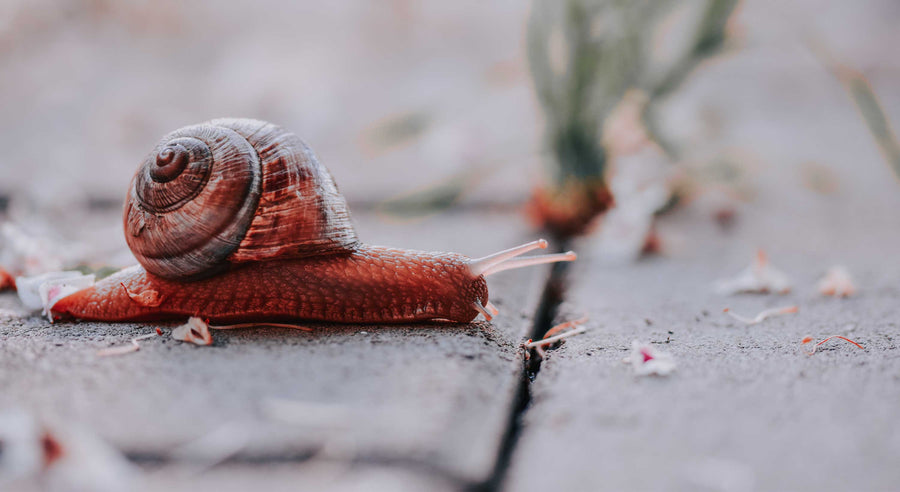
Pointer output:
x,y
236,220
372,285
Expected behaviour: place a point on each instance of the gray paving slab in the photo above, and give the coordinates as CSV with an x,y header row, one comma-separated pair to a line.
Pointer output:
x,y
746,408
433,399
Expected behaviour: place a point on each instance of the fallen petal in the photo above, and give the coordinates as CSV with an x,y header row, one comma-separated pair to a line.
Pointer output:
x,y
567,325
43,291
759,277
837,282
195,331
763,315
647,360
545,342
134,346
808,339
52,292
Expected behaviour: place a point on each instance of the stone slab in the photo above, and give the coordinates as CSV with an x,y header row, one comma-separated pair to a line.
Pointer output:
x,y
421,397
746,409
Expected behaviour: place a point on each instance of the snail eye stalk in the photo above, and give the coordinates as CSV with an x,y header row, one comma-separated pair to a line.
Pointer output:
x,y
478,307
508,259
492,308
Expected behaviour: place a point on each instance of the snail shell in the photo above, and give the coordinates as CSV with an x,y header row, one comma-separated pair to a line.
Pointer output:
x,y
231,191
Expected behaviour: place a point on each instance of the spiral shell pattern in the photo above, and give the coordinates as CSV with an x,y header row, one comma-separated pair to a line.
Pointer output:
x,y
231,191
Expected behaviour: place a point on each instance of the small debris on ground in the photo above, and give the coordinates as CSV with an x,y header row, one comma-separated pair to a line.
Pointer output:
x,y
760,277
562,327
809,339
647,360
556,334
134,346
763,315
195,331
837,282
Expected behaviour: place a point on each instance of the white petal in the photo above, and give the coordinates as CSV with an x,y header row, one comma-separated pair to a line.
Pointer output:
x,y
30,288
759,277
660,363
837,282
195,331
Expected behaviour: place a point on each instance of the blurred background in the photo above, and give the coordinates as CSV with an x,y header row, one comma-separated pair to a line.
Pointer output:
x,y
423,106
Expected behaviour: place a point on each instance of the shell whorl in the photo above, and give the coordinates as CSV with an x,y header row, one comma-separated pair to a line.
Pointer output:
x,y
232,191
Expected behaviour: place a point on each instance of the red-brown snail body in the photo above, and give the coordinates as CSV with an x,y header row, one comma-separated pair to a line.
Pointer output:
x,y
236,220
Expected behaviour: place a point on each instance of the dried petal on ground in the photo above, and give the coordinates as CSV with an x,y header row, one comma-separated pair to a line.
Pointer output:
x,y
29,287
647,360
762,316
53,292
134,346
837,282
552,332
759,277
808,339
41,457
44,291
546,342
195,331
554,335
550,341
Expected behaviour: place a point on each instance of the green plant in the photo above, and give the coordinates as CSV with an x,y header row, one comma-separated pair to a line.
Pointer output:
x,y
584,56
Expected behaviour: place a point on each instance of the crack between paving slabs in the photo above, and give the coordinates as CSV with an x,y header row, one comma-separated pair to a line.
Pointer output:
x,y
548,307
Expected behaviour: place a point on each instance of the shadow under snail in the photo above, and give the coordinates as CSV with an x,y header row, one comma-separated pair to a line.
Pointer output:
x,y
236,220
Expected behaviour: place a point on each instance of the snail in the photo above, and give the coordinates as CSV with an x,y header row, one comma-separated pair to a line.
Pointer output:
x,y
236,220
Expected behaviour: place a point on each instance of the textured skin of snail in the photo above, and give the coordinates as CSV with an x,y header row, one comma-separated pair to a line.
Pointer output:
x,y
235,220
371,285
